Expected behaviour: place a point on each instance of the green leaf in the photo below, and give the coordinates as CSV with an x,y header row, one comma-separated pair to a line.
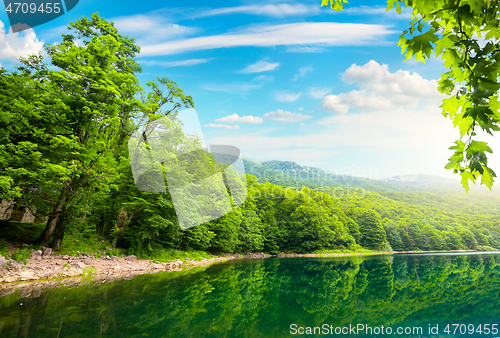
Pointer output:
x,y
466,176
487,177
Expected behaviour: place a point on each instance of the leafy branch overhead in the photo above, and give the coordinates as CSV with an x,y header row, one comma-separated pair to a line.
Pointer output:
x,y
465,33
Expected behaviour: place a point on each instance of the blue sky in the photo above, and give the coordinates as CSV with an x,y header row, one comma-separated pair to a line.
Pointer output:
x,y
285,80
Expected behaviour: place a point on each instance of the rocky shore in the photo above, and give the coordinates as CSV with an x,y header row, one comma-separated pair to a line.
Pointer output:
x,y
47,270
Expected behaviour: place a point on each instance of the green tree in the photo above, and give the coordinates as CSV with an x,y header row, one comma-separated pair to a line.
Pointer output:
x,y
452,29
372,232
78,111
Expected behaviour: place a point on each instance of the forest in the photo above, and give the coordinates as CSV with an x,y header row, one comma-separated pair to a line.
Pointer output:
x,y
64,156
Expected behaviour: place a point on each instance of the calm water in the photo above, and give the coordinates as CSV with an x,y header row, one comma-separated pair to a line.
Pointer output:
x,y
277,298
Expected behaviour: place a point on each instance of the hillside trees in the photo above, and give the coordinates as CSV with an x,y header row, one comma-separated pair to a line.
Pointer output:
x,y
76,113
465,34
373,235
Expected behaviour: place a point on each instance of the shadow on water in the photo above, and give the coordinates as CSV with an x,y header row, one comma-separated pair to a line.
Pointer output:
x,y
275,297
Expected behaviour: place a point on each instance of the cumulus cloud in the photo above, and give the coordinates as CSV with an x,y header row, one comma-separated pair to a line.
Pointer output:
x,y
382,90
240,119
286,97
303,33
15,45
286,116
261,66
221,125
302,72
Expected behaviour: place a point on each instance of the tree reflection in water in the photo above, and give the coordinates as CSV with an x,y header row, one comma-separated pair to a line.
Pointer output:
x,y
262,298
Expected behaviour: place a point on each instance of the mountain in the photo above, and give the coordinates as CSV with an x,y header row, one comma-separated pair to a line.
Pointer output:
x,y
433,182
291,174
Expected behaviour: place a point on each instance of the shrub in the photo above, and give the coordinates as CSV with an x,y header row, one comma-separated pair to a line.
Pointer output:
x,y
21,255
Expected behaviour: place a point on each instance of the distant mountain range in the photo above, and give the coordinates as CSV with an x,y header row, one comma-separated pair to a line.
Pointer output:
x,y
291,174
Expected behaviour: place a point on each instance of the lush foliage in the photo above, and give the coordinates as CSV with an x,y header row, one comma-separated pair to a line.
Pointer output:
x,y
64,155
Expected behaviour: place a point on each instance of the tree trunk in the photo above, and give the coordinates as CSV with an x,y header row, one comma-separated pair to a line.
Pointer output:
x,y
45,236
58,234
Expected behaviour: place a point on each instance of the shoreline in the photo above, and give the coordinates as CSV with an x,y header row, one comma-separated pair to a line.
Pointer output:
x,y
52,271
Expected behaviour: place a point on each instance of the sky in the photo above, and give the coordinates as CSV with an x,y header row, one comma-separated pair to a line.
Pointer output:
x,y
286,80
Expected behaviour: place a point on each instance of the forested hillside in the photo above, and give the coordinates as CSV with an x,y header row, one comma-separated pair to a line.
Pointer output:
x,y
66,159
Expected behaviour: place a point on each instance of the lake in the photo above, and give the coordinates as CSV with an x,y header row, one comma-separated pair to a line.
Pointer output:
x,y
412,295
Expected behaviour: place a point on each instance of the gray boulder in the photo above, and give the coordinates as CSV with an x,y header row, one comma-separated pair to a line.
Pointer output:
x,y
47,252
131,258
15,266
3,262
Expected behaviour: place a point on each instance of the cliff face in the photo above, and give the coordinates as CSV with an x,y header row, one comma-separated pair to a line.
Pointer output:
x,y
10,212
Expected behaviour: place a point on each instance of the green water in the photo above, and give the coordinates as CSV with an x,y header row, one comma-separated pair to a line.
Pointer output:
x,y
275,298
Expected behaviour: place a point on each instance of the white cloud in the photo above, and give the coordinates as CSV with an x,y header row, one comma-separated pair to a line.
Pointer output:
x,y
150,28
240,119
15,45
299,49
369,73
190,62
286,116
234,88
220,125
386,134
261,66
239,87
378,10
264,78
319,93
382,90
279,10
286,97
301,109
304,33
302,72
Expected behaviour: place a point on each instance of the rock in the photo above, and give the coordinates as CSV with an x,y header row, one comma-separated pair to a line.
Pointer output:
x,y
47,252
3,262
15,266
65,257
114,258
79,265
27,275
25,293
87,261
36,293
131,258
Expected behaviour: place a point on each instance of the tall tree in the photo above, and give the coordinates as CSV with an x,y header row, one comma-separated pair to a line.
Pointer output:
x,y
89,94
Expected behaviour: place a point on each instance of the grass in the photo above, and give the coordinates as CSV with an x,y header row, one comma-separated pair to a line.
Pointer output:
x,y
168,255
356,250
21,255
72,245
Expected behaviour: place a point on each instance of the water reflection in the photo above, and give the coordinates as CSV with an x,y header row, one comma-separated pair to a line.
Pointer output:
x,y
263,298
